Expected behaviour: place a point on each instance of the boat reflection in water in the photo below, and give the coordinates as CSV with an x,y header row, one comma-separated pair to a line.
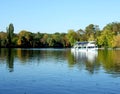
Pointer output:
x,y
85,56
85,50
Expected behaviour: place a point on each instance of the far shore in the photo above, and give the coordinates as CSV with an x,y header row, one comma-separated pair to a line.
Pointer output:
x,y
109,48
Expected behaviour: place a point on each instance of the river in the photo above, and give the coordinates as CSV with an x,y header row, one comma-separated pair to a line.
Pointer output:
x,y
59,71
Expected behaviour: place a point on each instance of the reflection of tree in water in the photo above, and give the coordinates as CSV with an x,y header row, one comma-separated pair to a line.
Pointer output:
x,y
92,67
49,54
24,54
10,59
7,55
107,60
110,60
71,60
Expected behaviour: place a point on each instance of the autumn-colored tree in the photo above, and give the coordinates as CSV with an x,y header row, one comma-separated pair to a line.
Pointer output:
x,y
106,38
116,42
3,39
25,39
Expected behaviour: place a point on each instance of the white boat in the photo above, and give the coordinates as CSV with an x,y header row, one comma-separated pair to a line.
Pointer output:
x,y
85,46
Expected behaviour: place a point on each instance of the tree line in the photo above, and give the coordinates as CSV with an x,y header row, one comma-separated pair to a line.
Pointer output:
x,y
109,36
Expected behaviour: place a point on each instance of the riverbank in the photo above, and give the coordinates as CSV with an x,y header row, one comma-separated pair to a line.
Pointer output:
x,y
109,48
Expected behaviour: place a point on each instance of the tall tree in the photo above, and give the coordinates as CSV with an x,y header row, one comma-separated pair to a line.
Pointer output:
x,y
91,31
10,31
80,34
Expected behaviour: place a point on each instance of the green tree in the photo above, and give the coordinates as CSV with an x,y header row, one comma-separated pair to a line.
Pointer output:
x,y
109,36
64,40
81,35
113,27
72,37
36,39
57,40
10,31
44,40
91,32
51,42
106,38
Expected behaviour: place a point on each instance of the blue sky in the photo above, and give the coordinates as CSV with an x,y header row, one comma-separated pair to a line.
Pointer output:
x,y
50,16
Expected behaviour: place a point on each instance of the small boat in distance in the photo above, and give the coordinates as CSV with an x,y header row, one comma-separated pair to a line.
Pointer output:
x,y
85,46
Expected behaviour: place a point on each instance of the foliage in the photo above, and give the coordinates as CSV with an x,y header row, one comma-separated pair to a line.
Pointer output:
x,y
10,31
72,37
113,27
108,37
91,32
3,39
116,42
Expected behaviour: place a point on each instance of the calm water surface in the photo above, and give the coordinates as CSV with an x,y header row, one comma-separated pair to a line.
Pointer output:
x,y
59,71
